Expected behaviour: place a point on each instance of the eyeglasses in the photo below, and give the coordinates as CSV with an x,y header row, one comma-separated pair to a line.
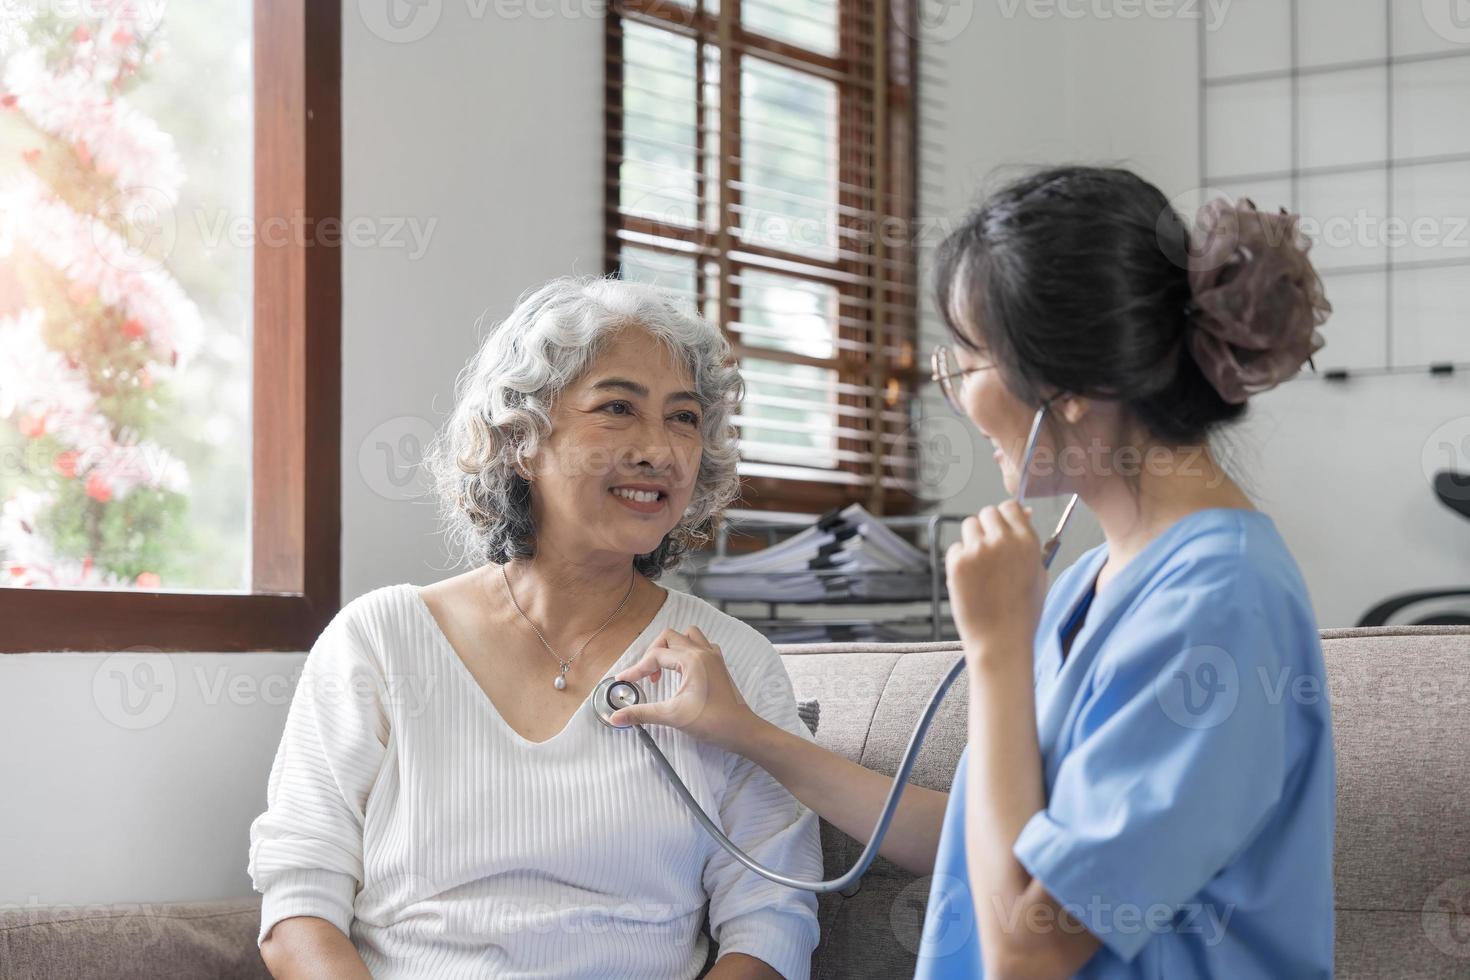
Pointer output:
x,y
945,372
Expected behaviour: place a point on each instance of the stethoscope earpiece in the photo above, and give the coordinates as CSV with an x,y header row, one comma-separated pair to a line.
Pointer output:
x,y
1053,544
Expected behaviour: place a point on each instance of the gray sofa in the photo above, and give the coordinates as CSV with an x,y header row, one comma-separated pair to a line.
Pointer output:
x,y
1401,726
1402,730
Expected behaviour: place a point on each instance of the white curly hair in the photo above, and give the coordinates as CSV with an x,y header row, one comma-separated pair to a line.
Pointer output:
x,y
504,397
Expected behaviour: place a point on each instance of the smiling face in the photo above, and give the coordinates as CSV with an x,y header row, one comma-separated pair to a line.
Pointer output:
x,y
618,470
1000,416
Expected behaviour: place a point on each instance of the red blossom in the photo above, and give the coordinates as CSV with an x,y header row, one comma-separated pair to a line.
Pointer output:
x,y
133,327
98,489
8,101
148,580
31,426
66,463
81,35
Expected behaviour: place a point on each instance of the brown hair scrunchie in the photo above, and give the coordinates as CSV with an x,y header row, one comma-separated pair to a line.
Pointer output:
x,y
1257,299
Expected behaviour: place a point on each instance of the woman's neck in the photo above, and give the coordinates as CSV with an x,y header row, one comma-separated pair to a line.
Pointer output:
x,y
569,595
1131,517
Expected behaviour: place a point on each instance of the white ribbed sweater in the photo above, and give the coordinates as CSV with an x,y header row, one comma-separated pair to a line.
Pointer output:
x,y
403,809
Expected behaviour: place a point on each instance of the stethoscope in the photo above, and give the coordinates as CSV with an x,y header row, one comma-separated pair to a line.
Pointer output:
x,y
612,694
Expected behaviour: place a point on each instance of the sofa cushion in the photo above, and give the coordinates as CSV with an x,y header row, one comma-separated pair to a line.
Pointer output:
x,y
175,941
870,701
1401,725
1401,729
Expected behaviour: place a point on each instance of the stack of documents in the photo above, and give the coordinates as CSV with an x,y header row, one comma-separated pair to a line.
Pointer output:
x,y
910,630
846,555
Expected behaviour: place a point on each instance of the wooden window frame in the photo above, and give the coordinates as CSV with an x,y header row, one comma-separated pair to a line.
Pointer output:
x,y
881,169
296,404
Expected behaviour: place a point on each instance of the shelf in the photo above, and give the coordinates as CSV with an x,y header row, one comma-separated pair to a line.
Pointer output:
x,y
846,588
849,588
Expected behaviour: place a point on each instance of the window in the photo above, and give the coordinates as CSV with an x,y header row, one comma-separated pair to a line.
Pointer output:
x,y
1354,114
760,162
169,390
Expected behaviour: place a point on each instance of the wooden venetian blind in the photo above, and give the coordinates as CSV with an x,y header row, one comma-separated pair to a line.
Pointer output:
x,y
761,161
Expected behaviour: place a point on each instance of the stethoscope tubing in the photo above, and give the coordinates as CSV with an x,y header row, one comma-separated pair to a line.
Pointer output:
x,y
890,806
911,754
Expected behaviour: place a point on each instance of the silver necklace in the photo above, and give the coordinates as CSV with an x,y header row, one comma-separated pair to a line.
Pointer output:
x,y
561,678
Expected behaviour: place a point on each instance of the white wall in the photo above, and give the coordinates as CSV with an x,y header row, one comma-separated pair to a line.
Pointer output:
x,y
493,127
1339,467
1022,90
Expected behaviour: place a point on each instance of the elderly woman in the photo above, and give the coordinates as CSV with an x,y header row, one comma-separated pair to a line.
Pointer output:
x,y
444,802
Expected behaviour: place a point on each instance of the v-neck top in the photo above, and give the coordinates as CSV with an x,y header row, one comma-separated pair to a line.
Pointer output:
x,y
1075,618
405,810
440,641
1186,746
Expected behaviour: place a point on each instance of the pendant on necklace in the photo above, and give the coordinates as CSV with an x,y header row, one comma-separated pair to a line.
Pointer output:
x,y
561,680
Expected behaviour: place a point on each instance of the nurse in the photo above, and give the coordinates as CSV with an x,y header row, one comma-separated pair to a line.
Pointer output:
x,y
1148,788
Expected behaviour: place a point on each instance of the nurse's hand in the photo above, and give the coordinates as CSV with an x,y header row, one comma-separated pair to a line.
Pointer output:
x,y
996,581
707,704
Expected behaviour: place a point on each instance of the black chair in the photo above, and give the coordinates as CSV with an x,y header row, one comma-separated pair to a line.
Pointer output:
x,y
1453,490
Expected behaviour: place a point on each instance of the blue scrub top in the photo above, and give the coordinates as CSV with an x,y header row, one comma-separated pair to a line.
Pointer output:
x,y
1187,748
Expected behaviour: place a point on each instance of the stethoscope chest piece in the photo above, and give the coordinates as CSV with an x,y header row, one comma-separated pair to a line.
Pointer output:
x,y
610,694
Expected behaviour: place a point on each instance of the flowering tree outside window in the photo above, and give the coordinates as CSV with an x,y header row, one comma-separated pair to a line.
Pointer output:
x,y
95,328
